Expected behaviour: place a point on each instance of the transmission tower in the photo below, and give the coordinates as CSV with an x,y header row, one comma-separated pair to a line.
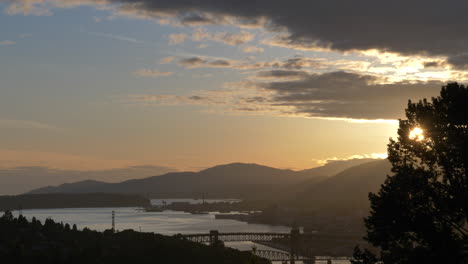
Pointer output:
x,y
113,221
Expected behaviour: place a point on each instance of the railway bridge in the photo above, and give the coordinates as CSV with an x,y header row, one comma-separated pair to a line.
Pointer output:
x,y
214,237
291,253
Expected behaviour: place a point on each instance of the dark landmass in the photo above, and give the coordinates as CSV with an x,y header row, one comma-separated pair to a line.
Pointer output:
x,y
335,205
343,194
60,200
223,207
237,180
331,210
17,180
32,242
348,189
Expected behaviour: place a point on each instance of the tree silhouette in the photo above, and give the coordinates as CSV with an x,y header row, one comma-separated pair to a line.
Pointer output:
x,y
420,213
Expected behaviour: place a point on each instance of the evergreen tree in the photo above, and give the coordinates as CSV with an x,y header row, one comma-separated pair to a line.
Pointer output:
x,y
420,213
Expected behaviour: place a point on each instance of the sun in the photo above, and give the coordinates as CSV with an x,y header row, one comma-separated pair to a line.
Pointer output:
x,y
416,134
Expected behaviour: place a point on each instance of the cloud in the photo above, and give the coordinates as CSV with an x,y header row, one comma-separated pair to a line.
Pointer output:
x,y
291,63
253,49
434,64
348,95
175,39
234,39
116,37
355,158
25,35
151,73
409,28
281,74
298,63
166,60
7,43
199,62
192,62
334,96
228,38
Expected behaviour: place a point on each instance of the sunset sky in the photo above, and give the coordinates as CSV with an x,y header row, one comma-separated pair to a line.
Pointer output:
x,y
102,84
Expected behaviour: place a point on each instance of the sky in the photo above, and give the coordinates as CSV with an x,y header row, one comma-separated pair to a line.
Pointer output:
x,y
93,85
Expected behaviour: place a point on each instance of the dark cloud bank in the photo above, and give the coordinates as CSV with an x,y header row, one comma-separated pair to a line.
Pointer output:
x,y
430,28
345,95
434,28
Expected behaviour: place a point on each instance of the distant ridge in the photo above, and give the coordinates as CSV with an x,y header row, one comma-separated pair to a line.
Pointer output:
x,y
235,180
347,189
18,180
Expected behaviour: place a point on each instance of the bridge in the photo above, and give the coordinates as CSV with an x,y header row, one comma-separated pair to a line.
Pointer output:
x,y
215,236
273,255
293,240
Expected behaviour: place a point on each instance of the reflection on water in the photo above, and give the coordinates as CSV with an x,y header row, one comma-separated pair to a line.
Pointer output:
x,y
167,222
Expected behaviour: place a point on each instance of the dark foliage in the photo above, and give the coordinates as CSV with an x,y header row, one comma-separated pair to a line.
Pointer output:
x,y
420,213
22,241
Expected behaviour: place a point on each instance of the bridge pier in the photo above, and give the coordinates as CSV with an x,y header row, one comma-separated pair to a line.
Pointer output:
x,y
214,237
295,244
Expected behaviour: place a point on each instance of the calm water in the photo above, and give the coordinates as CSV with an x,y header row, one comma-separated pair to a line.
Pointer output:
x,y
167,222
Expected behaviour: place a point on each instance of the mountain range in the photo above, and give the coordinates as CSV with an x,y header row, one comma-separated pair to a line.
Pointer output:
x,y
336,182
19,180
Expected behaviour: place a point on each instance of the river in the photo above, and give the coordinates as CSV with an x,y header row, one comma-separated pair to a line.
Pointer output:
x,y
166,223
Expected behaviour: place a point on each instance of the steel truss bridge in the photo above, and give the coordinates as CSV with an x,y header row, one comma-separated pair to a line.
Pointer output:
x,y
234,237
213,237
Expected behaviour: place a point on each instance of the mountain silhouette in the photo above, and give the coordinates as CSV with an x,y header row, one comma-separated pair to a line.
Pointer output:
x,y
347,189
22,179
236,180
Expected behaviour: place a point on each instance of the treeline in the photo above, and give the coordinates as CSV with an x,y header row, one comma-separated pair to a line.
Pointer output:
x,y
58,200
23,241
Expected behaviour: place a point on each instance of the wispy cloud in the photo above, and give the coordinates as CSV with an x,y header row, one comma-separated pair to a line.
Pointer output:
x,y
228,38
25,35
253,49
175,39
7,43
166,60
354,157
151,73
116,37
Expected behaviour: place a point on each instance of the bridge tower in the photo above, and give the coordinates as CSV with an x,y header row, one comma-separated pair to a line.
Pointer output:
x,y
214,237
295,243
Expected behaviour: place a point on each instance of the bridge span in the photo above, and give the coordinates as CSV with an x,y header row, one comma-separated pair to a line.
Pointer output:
x,y
234,237
214,237
293,239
